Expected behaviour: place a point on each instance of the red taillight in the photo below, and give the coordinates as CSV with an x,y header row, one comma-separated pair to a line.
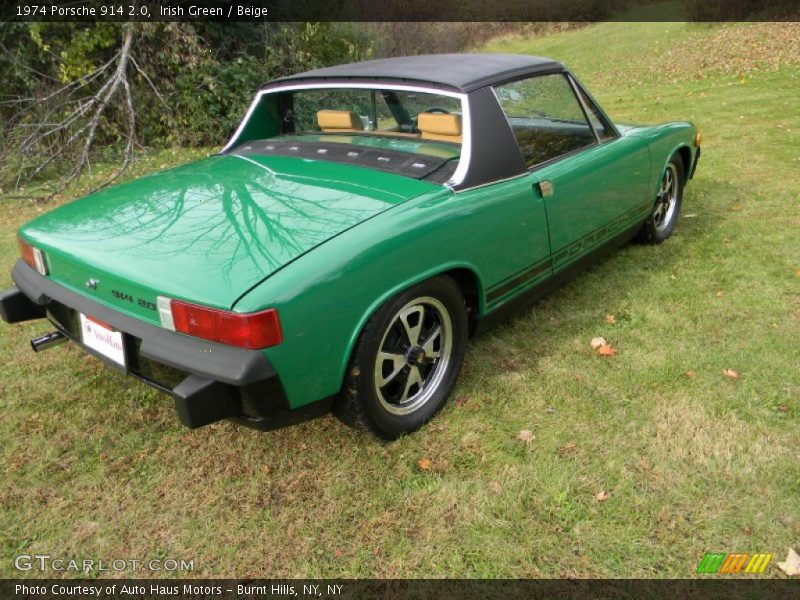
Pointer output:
x,y
33,256
245,330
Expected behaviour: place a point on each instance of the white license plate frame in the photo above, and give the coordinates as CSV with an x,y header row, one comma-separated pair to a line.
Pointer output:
x,y
104,340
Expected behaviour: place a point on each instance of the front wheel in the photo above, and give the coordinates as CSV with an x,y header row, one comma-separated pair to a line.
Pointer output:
x,y
661,222
406,361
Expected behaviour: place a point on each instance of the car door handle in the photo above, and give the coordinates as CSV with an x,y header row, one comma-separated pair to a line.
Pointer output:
x,y
545,188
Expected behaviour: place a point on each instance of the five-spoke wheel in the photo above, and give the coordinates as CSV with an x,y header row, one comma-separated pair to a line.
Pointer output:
x,y
661,222
413,356
406,360
667,198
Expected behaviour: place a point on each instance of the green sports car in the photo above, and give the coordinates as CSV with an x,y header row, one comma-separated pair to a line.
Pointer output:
x,y
363,222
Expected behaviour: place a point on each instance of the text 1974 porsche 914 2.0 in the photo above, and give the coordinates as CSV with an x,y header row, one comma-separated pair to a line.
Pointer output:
x,y
361,224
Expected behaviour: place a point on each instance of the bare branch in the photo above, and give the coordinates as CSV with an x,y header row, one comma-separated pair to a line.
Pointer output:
x,y
149,81
131,137
106,94
64,122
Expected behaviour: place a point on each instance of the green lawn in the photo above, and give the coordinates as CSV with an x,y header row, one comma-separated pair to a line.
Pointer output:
x,y
96,465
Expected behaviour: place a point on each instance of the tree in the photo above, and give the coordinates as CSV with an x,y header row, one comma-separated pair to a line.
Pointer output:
x,y
71,91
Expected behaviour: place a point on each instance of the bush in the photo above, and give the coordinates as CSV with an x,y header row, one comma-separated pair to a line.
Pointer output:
x,y
190,83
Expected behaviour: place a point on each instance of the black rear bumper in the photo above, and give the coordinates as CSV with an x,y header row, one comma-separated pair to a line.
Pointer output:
x,y
208,381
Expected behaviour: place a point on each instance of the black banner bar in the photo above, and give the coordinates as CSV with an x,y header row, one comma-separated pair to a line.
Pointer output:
x,y
396,10
445,589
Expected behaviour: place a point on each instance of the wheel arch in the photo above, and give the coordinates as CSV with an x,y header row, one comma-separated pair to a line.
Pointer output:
x,y
685,153
470,286
466,278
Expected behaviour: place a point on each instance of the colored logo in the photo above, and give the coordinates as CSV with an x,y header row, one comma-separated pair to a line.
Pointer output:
x,y
720,562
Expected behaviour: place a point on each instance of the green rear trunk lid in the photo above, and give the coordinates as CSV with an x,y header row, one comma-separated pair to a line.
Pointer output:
x,y
208,231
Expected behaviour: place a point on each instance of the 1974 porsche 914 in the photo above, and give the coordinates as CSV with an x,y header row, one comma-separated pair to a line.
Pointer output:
x,y
361,224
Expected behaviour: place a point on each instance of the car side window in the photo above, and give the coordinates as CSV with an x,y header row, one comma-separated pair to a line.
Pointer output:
x,y
545,116
599,121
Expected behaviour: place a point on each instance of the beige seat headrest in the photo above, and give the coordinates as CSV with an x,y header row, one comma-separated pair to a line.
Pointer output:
x,y
339,120
440,127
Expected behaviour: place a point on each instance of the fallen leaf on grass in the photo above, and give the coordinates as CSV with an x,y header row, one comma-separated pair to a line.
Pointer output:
x,y
783,407
691,374
611,319
791,566
602,496
797,274
606,350
720,294
597,342
526,435
730,373
338,553
266,469
424,464
568,449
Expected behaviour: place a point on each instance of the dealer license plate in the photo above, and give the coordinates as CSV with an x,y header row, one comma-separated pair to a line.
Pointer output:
x,y
102,339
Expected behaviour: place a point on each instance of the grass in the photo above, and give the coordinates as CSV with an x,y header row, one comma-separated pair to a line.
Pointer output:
x,y
96,465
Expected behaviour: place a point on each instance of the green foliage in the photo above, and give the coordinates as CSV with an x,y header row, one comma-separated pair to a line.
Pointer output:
x,y
80,51
209,97
209,100
208,74
191,82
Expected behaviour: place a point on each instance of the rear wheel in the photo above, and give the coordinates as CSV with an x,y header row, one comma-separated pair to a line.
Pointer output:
x,y
661,222
406,361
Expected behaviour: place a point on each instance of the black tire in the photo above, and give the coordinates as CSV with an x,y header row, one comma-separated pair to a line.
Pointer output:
x,y
430,362
662,220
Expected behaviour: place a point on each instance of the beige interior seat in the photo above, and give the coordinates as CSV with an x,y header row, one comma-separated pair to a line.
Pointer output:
x,y
339,120
440,127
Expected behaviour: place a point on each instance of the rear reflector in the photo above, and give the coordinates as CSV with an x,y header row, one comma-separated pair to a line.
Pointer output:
x,y
33,256
244,330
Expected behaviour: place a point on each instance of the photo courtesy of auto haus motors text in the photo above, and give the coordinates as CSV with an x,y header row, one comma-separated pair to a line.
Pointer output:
x,y
140,590
399,300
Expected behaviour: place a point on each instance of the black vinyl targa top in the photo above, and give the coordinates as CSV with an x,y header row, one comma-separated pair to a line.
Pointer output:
x,y
491,151
461,72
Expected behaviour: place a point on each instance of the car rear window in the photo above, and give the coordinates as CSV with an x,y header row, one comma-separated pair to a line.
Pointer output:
x,y
385,112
